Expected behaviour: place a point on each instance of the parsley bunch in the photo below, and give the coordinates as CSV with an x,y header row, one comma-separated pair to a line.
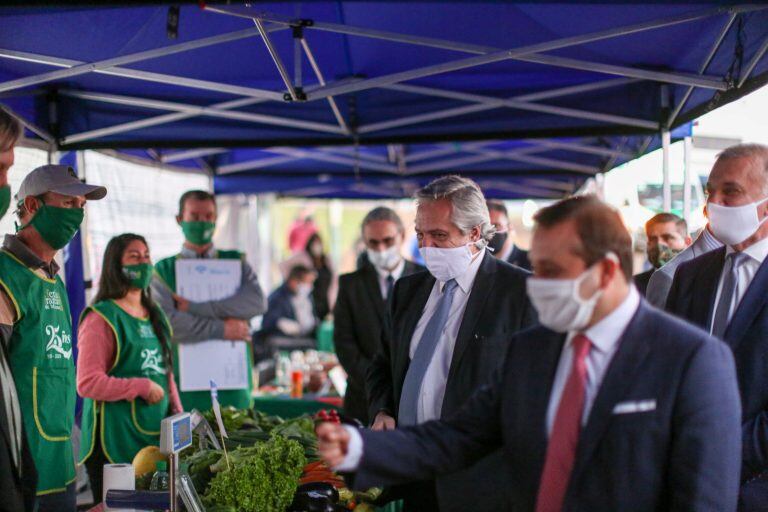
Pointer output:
x,y
263,479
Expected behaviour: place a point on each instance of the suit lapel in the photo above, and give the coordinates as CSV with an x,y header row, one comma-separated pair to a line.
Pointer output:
x,y
541,366
371,285
750,305
620,375
703,300
478,295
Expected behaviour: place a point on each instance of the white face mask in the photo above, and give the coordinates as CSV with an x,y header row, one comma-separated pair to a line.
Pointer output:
x,y
387,259
559,303
734,224
446,263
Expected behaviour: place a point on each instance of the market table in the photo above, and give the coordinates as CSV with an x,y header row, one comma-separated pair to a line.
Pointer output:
x,y
286,407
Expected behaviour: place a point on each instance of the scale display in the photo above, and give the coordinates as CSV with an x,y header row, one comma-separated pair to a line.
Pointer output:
x,y
176,433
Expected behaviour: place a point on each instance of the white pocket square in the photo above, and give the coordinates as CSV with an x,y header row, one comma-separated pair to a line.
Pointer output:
x,y
634,406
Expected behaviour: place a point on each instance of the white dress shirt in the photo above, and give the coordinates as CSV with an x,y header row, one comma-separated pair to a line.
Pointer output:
x,y
433,386
396,274
605,337
757,253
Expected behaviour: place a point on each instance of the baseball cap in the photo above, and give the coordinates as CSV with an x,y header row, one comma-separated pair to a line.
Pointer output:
x,y
60,179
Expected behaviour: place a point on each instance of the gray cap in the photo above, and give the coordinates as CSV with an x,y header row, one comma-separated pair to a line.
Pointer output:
x,y
60,179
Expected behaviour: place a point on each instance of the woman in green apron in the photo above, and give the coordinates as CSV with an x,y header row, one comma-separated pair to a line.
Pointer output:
x,y
125,368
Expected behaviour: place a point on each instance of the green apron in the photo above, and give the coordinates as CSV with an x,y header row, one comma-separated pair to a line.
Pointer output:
x,y
127,426
201,400
40,353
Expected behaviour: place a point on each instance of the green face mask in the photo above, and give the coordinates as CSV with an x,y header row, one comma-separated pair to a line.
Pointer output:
x,y
5,199
198,232
139,275
57,225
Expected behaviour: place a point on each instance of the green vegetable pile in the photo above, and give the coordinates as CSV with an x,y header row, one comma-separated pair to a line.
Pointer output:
x,y
248,427
261,478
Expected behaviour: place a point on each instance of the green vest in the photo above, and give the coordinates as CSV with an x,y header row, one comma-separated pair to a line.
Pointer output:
x,y
201,400
127,426
40,354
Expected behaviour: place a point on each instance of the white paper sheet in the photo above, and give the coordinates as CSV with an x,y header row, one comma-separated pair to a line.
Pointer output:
x,y
222,361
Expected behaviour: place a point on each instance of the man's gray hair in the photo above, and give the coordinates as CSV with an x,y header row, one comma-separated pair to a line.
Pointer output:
x,y
757,152
383,213
468,205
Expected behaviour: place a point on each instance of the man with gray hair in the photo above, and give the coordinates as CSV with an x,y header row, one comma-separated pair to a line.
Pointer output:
x,y
449,331
362,304
725,291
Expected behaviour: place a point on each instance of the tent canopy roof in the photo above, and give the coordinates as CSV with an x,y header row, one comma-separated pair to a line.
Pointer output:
x,y
369,99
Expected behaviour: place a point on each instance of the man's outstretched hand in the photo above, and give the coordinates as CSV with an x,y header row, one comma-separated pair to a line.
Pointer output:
x,y
333,443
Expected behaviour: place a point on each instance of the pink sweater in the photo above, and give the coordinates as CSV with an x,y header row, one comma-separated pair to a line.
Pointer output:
x,y
97,346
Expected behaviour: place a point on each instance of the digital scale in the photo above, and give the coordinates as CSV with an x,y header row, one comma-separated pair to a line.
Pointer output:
x,y
175,436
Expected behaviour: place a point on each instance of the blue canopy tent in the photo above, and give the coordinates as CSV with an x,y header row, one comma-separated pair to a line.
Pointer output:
x,y
371,99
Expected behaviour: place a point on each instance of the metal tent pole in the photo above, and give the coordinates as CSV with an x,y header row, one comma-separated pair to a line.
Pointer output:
x,y
110,66
687,147
188,109
666,189
276,59
147,76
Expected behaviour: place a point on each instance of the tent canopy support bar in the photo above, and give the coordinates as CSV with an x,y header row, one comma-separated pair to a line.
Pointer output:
x,y
519,156
153,121
324,157
489,54
453,163
109,64
147,76
488,103
276,59
197,110
707,61
753,63
321,80
507,54
178,156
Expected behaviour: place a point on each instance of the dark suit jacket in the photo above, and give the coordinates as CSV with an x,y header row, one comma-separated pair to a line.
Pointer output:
x,y
17,494
641,280
497,308
358,319
682,455
693,297
519,257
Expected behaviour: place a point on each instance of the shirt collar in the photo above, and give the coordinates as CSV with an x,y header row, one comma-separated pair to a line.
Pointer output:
x,y
15,246
188,253
396,273
467,279
606,333
709,241
757,251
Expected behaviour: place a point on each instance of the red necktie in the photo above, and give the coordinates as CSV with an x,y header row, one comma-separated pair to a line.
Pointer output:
x,y
561,450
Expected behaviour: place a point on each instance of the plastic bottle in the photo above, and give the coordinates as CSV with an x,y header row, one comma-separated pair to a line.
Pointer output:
x,y
161,481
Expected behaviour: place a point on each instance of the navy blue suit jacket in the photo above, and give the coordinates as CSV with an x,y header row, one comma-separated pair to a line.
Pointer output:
x,y
693,297
682,455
